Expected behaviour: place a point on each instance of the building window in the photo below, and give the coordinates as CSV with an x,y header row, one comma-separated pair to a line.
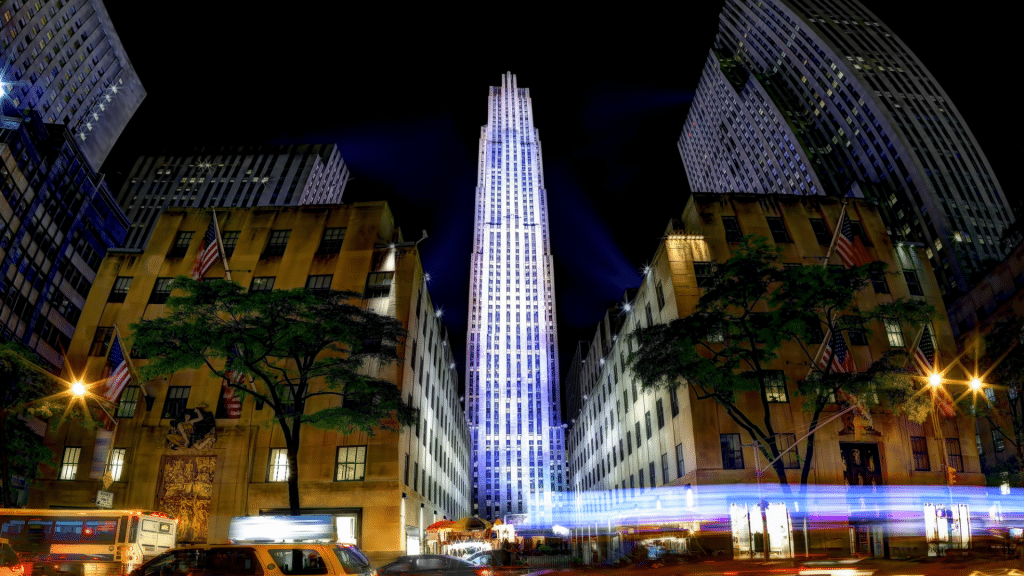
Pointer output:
x,y
319,283
161,291
69,463
120,290
101,341
858,232
856,337
775,386
654,477
262,284
647,419
673,401
378,285
638,432
778,229
878,282
997,441
913,283
650,317
894,332
786,441
705,273
629,443
664,468
331,241
821,232
990,395
277,242
180,246
116,464
732,452
956,460
919,445
732,229
680,467
129,402
277,465
660,405
177,399
351,463
229,241
659,292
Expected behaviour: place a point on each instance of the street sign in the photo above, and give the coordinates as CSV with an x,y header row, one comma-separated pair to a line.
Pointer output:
x,y
104,499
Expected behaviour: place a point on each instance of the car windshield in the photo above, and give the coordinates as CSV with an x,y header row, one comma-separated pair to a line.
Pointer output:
x,y
352,560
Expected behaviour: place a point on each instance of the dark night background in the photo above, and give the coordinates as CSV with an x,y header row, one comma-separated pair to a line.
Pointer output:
x,y
404,96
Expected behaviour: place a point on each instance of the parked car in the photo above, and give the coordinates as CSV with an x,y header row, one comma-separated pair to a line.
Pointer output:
x,y
491,558
259,560
9,563
432,565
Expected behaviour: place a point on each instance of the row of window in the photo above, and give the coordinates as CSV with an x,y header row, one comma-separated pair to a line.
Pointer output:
x,y
330,242
350,464
777,227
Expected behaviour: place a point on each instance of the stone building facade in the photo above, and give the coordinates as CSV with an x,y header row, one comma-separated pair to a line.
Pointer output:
x,y
403,481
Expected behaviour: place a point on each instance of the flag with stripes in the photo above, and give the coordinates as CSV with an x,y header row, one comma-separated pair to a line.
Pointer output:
x,y
119,373
836,348
850,247
209,252
232,401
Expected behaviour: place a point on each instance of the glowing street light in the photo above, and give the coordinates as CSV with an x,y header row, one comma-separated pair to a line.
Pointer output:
x,y
975,384
78,389
935,379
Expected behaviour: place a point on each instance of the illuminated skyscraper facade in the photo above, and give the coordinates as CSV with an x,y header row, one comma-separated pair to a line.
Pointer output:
x,y
815,97
512,365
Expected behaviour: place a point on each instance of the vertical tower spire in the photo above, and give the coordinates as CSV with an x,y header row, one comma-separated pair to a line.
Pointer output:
x,y
512,365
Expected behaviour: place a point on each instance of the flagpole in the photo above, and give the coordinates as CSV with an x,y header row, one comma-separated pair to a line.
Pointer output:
x,y
220,246
824,262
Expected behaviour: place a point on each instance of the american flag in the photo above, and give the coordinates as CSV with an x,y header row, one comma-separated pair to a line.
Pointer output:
x,y
209,251
836,346
119,374
849,246
232,402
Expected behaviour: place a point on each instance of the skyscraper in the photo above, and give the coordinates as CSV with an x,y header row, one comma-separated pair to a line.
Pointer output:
x,y
63,59
241,177
813,97
512,366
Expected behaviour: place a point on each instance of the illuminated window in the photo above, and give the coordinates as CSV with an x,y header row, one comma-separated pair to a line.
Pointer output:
x,y
351,464
277,465
319,283
378,285
775,386
894,333
997,441
69,463
116,464
990,395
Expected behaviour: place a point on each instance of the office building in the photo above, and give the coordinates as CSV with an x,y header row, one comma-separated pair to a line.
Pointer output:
x,y
668,459
383,489
63,59
58,221
233,176
813,97
512,373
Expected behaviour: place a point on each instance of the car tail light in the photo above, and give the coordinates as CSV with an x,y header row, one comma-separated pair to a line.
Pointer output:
x,y
482,572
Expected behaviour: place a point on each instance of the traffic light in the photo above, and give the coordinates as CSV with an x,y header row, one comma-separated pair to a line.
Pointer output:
x,y
950,475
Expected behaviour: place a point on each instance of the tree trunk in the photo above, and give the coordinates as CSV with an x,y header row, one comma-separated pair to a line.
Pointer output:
x,y
809,457
293,478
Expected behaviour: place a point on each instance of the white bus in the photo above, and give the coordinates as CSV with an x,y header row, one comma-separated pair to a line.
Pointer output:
x,y
86,542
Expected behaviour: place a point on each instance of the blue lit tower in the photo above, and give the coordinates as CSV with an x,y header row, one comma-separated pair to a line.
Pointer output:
x,y
821,97
512,367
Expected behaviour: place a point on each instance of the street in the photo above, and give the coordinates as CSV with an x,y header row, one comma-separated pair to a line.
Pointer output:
x,y
867,567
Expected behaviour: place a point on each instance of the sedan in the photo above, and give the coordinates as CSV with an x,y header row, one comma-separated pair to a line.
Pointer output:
x,y
432,565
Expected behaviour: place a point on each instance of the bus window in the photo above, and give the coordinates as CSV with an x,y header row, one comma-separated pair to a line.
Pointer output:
x,y
134,530
122,529
150,526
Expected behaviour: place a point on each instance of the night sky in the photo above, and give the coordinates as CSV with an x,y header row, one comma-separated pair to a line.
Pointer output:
x,y
404,95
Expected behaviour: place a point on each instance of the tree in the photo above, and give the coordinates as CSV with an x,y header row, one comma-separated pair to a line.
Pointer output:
x,y
729,346
28,391
292,346
1002,360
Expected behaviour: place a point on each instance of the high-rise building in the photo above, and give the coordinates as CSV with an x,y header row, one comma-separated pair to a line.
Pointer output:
x,y
813,97
57,221
63,59
238,176
511,361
